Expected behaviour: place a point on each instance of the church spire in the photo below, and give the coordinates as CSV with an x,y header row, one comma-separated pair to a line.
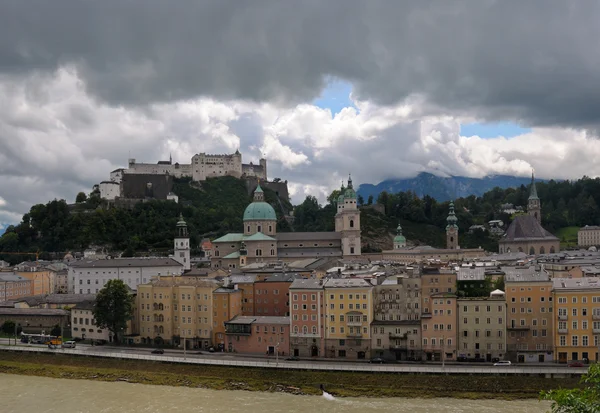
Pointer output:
x,y
532,189
350,181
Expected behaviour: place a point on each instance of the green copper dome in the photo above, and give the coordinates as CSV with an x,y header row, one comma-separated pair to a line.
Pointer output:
x,y
399,238
452,220
259,211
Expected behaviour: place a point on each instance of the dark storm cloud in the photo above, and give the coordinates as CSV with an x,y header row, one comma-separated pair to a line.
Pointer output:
x,y
534,62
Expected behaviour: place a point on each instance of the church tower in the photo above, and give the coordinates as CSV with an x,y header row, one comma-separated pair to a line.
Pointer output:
x,y
182,244
451,229
347,221
534,207
399,239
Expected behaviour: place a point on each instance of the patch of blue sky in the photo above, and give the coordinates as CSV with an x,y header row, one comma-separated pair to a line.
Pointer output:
x,y
493,130
335,96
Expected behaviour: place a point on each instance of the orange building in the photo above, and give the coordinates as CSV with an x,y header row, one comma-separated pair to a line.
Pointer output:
x,y
439,328
42,279
530,333
227,304
272,295
246,284
13,286
258,335
306,318
435,281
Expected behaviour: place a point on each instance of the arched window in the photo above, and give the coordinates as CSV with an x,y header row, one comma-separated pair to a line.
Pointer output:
x,y
451,239
531,251
161,330
272,252
314,329
542,250
270,228
305,330
552,250
351,223
295,329
248,228
161,306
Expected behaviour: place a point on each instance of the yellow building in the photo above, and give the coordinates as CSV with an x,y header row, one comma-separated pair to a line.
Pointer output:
x,y
529,315
43,280
172,309
227,303
576,318
348,314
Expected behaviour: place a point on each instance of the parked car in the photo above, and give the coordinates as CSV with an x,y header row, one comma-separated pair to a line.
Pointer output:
x,y
211,349
158,351
576,364
292,358
503,363
69,344
377,360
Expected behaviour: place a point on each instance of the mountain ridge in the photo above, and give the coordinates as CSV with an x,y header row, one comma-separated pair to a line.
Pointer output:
x,y
443,188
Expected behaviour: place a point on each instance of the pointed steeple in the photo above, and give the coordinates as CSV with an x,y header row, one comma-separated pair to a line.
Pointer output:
x,y
451,220
259,195
350,181
532,189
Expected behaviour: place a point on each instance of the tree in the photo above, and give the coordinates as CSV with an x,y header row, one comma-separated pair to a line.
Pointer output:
x,y
361,200
583,400
113,307
81,197
370,200
8,327
56,331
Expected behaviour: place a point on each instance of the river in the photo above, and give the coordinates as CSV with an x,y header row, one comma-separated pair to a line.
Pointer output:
x,y
25,394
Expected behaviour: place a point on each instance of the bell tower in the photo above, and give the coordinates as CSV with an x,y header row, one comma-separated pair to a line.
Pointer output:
x,y
451,229
534,207
347,221
182,244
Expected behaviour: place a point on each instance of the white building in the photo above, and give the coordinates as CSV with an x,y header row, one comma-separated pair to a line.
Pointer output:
x,y
181,244
89,276
588,236
109,190
84,326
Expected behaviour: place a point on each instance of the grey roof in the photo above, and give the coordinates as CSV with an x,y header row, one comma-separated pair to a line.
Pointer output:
x,y
525,274
590,271
308,236
242,279
167,281
225,290
36,300
470,274
526,228
589,228
12,277
284,277
309,252
126,262
248,319
85,305
33,312
307,284
576,283
347,283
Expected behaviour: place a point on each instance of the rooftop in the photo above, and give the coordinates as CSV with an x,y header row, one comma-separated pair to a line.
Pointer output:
x,y
247,319
307,284
12,277
126,262
166,281
283,277
526,227
525,274
308,236
36,300
347,283
33,312
576,283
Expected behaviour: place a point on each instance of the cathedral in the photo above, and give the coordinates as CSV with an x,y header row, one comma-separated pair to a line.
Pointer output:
x,y
526,234
260,242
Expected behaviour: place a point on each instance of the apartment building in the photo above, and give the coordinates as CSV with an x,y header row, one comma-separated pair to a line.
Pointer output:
x,y
172,309
396,326
349,313
576,318
258,335
245,283
439,328
13,286
529,315
482,327
435,281
588,236
227,304
272,295
42,279
307,318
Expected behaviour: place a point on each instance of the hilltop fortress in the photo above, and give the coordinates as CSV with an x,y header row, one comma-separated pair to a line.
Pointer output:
x,y
149,180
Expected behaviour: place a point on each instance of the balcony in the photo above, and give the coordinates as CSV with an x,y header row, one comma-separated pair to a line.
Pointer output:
x,y
596,330
525,327
354,323
401,336
563,330
426,315
354,335
595,316
563,317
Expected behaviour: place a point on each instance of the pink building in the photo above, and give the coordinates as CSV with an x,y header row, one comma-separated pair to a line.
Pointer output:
x,y
306,318
259,335
271,296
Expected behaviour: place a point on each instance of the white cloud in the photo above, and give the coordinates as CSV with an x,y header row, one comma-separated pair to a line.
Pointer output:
x,y
56,140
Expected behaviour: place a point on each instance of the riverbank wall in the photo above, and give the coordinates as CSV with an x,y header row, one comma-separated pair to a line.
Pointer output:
x,y
297,381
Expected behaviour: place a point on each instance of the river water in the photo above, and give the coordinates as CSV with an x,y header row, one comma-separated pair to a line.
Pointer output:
x,y
24,394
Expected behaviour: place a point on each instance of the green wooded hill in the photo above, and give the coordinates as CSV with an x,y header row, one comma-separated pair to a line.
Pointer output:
x,y
216,206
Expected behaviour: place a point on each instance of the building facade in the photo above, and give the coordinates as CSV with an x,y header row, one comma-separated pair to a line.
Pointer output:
x,y
175,308
307,318
482,328
349,313
227,304
13,286
258,335
588,236
90,276
576,319
272,295
43,280
529,317
439,327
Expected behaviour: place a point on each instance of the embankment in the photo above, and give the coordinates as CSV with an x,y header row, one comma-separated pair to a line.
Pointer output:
x,y
293,381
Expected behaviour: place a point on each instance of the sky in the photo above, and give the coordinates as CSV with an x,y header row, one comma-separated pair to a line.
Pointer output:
x,y
377,89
